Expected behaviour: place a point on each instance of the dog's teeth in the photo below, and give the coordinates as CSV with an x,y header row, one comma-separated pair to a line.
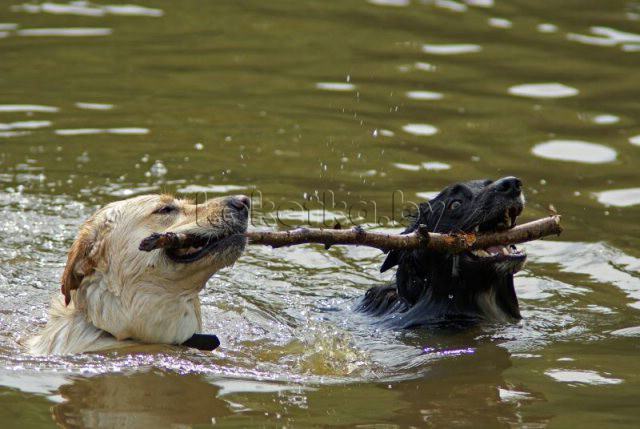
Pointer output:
x,y
505,251
481,252
477,228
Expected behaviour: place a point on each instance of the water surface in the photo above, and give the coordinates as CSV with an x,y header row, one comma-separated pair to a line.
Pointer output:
x,y
360,101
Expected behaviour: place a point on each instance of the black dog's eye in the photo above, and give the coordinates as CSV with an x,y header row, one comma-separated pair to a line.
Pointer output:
x,y
454,205
166,210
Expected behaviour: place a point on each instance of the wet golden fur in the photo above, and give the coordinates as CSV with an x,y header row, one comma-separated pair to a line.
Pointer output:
x,y
115,295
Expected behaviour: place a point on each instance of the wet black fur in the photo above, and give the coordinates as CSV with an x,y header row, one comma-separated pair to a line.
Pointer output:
x,y
431,288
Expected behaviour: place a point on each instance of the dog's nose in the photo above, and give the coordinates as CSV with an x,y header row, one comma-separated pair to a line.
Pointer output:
x,y
511,186
239,202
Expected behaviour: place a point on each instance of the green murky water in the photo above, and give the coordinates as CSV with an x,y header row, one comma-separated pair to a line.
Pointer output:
x,y
361,103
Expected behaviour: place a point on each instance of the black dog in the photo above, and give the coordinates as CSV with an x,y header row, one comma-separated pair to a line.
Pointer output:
x,y
432,288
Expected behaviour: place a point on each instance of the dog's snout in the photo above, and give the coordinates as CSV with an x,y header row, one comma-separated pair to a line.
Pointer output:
x,y
239,203
512,186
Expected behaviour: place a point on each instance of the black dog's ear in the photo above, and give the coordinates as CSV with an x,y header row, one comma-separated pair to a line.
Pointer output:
x,y
393,259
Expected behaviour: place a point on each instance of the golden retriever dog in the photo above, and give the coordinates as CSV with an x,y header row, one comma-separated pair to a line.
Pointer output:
x,y
115,295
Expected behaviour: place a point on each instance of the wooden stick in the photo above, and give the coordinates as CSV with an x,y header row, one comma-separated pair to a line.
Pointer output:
x,y
453,243
170,240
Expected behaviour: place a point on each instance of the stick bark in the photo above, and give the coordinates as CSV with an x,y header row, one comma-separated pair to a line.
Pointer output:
x,y
452,243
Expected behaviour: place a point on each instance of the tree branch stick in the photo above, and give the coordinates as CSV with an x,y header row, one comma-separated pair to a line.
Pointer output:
x,y
452,243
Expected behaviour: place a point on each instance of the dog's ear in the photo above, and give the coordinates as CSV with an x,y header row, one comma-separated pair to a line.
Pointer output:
x,y
392,259
416,217
81,260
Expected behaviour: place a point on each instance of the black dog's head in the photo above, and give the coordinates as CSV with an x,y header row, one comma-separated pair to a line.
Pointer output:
x,y
470,284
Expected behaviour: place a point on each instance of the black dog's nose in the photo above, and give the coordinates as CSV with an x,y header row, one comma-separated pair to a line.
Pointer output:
x,y
511,186
239,202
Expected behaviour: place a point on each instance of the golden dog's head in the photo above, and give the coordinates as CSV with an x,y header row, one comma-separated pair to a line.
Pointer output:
x,y
109,278
109,240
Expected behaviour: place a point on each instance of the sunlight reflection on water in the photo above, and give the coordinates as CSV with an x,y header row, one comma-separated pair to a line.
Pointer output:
x,y
575,151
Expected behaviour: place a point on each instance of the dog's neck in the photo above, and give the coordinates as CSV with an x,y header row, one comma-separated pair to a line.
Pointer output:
x,y
145,312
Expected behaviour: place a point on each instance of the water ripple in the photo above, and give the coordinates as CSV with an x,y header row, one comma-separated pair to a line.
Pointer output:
x,y
94,106
424,95
543,90
335,86
396,3
605,36
28,125
88,9
581,377
464,48
575,151
89,131
64,32
619,197
420,129
27,108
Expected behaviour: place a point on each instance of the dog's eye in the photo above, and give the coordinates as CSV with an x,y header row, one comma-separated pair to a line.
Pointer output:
x,y
454,205
166,210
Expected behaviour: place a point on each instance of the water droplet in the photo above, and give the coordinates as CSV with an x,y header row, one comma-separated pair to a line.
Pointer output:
x,y
158,169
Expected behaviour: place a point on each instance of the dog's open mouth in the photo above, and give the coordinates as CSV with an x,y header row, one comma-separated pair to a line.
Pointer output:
x,y
504,221
196,247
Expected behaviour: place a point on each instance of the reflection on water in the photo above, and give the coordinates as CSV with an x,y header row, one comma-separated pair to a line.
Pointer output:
x,y
584,377
25,125
451,49
88,131
424,95
64,32
85,8
420,129
27,108
94,106
605,36
606,119
361,99
576,151
500,23
543,90
619,197
335,86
